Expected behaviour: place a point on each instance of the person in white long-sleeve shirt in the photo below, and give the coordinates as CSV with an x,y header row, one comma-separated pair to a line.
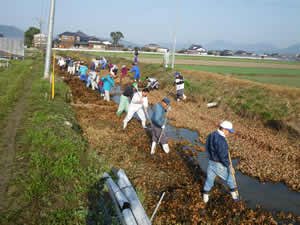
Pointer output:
x,y
61,62
138,102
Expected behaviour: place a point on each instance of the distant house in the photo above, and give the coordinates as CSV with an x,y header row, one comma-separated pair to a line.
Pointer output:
x,y
196,49
72,40
241,52
152,47
226,53
1,35
40,40
155,48
96,43
80,40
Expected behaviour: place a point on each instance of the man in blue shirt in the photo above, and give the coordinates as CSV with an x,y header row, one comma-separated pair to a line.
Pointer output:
x,y
218,163
136,71
158,125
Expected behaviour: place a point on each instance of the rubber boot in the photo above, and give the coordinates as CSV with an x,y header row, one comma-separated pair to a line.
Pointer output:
x,y
166,148
205,197
234,196
124,125
153,148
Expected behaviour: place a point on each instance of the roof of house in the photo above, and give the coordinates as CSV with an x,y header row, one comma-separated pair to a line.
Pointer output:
x,y
78,33
195,47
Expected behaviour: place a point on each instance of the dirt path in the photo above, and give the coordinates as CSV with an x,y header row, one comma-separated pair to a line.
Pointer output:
x,y
220,63
8,143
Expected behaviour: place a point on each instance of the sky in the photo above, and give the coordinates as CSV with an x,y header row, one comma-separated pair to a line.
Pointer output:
x,y
155,21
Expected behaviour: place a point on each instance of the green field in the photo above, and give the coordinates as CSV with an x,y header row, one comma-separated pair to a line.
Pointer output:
x,y
284,77
209,58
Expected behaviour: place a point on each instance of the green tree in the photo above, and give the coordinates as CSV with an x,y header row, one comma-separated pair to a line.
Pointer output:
x,y
29,35
116,37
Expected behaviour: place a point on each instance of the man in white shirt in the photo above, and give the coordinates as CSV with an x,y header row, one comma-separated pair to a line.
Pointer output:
x,y
138,102
152,83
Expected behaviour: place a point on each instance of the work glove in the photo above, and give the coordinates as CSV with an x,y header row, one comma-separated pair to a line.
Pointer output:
x,y
231,170
163,126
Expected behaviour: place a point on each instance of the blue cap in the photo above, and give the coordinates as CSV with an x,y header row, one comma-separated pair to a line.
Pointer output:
x,y
177,73
166,100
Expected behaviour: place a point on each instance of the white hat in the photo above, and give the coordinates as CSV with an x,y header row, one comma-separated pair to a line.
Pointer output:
x,y
227,125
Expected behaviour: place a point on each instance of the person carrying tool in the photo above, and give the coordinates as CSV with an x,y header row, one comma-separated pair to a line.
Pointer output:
x,y
159,120
179,82
126,97
108,82
152,83
139,100
136,71
219,163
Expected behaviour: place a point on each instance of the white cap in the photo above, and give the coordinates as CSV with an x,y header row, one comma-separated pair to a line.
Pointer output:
x,y
227,125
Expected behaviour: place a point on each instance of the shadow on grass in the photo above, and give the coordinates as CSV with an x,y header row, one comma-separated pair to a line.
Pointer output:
x,y
100,206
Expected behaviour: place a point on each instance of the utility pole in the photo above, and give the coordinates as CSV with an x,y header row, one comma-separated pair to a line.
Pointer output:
x,y
49,41
174,35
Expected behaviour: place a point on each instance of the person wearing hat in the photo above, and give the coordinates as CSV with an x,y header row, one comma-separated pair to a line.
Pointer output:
x,y
126,97
138,102
218,160
179,82
158,119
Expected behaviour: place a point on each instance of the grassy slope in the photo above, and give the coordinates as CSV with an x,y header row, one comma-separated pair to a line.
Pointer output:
x,y
11,84
55,173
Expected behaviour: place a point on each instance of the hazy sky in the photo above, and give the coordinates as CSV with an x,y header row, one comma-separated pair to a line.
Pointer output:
x,y
153,21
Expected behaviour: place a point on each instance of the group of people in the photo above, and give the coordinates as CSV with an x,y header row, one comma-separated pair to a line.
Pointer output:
x,y
134,101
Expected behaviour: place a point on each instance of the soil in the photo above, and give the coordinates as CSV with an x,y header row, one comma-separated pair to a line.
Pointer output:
x,y
8,148
219,63
173,173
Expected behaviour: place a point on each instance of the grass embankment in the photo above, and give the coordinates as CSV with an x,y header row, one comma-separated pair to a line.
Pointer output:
x,y
282,77
11,84
57,178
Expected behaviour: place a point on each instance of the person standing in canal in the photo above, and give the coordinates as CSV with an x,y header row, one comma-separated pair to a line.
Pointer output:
x,y
158,119
126,97
138,105
219,163
108,83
